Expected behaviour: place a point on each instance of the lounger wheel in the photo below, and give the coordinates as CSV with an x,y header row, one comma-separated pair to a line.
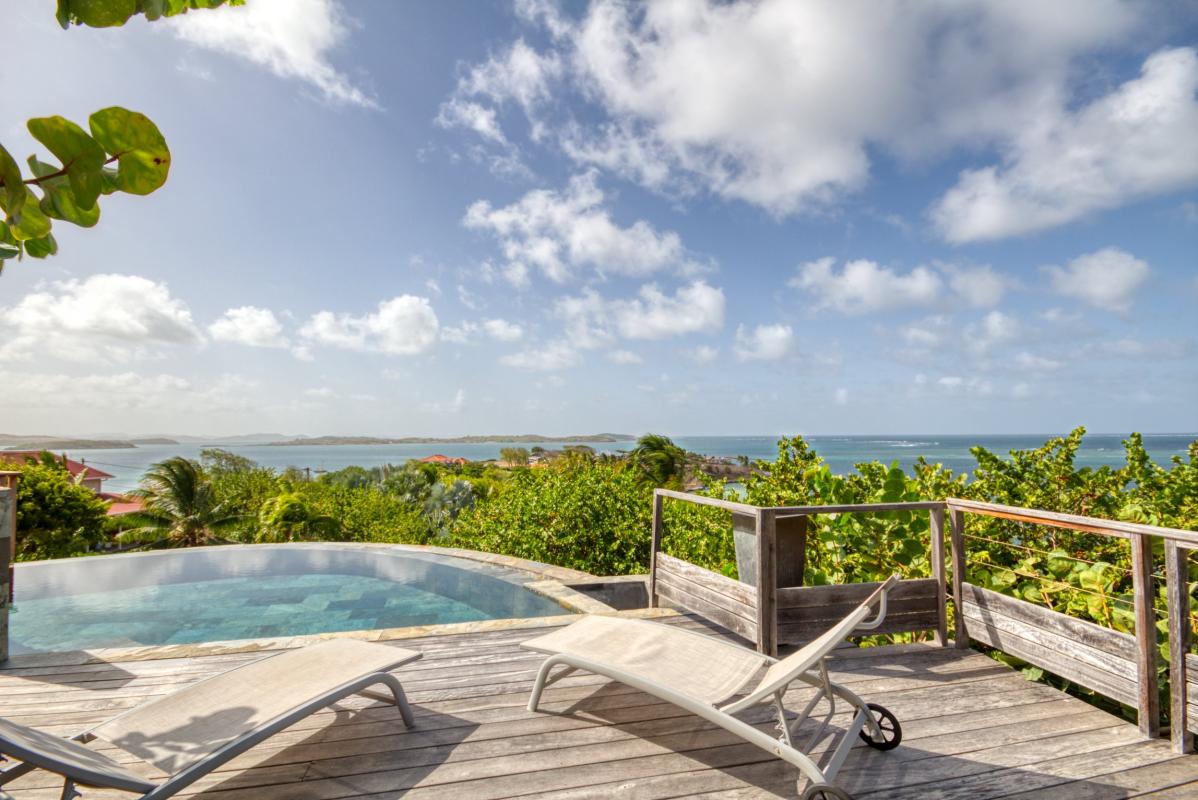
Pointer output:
x,y
892,731
825,791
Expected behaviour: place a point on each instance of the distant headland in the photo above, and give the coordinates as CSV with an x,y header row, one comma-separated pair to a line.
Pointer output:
x,y
522,438
54,443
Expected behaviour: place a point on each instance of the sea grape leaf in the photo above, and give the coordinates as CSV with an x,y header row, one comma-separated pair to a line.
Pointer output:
x,y
59,201
9,247
112,13
81,156
14,193
33,223
143,159
95,13
40,248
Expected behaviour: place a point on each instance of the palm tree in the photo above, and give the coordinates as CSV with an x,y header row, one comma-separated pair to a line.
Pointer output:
x,y
287,517
662,462
181,506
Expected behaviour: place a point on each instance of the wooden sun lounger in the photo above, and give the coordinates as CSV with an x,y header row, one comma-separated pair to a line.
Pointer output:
x,y
702,675
188,733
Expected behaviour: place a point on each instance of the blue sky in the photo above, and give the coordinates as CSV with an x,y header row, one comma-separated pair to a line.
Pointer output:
x,y
452,217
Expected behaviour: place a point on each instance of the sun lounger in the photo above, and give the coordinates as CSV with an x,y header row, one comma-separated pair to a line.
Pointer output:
x,y
703,674
191,732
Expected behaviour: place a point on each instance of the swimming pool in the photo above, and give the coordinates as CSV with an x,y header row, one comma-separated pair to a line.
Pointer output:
x,y
256,592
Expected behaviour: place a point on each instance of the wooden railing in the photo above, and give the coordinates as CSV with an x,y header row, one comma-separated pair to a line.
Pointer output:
x,y
8,540
771,616
1120,666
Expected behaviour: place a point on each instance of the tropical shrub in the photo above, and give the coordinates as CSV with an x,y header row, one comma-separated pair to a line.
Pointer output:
x,y
577,513
56,516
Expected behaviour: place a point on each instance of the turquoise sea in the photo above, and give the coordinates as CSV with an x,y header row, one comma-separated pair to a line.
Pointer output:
x,y
841,452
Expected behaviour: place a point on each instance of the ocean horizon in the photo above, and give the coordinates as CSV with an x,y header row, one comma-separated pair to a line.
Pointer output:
x,y
841,452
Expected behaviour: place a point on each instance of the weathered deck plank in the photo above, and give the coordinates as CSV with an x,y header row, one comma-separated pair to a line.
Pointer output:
x,y
973,729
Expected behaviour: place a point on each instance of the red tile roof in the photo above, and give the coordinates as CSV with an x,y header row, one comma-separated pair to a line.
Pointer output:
x,y
440,459
74,467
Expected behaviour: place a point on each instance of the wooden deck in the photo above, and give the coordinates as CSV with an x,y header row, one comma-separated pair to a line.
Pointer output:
x,y
973,729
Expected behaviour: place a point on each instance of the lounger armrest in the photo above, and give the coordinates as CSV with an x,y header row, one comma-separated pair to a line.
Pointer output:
x,y
782,672
879,595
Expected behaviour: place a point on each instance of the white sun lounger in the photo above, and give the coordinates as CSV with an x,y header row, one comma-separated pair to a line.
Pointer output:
x,y
702,674
191,732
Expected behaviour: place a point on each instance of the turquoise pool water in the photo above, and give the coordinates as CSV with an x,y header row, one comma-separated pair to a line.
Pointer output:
x,y
219,594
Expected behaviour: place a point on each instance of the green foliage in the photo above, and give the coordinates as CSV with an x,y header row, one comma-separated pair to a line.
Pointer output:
x,y
181,506
660,461
578,513
111,13
289,516
514,456
367,514
70,189
57,517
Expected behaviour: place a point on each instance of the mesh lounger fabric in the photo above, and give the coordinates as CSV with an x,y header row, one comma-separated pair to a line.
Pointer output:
x,y
44,749
182,728
704,668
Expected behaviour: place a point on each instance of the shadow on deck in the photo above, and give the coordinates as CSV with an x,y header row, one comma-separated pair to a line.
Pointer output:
x,y
973,728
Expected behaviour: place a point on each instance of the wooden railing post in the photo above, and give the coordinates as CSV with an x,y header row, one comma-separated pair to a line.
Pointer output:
x,y
957,536
1148,706
767,583
1177,593
8,541
936,530
654,546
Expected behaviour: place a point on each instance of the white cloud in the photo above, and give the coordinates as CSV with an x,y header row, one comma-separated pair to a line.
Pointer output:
x,y
404,325
459,334
841,396
1038,363
551,357
996,328
656,315
503,330
561,233
1103,279
925,334
465,114
764,342
255,327
103,317
624,357
780,103
520,75
980,287
1136,141
249,325
291,38
128,392
594,321
703,354
863,286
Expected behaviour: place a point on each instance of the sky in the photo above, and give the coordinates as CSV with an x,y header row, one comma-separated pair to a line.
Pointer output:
x,y
442,218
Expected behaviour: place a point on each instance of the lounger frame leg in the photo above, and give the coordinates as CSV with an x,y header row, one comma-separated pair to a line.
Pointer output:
x,y
395,695
740,728
544,680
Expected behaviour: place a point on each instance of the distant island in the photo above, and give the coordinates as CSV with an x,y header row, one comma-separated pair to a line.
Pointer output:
x,y
523,438
9,441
